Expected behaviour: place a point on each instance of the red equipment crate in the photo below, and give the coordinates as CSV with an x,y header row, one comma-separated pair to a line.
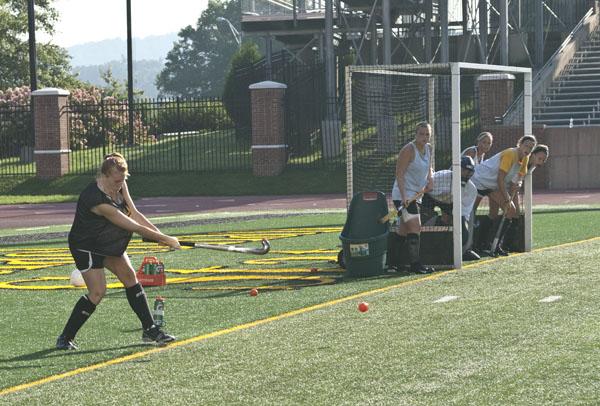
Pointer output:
x,y
151,272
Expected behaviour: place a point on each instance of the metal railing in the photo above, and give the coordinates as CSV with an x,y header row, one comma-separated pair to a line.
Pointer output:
x,y
16,140
171,135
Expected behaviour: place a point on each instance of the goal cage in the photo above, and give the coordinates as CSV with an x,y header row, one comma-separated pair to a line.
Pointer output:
x,y
384,104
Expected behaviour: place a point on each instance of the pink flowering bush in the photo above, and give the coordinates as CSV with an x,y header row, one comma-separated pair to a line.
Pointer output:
x,y
96,119
16,121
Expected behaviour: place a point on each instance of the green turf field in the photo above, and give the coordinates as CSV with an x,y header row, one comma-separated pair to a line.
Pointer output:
x,y
489,339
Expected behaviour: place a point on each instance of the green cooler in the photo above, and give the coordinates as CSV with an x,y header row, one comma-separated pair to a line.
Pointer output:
x,y
365,234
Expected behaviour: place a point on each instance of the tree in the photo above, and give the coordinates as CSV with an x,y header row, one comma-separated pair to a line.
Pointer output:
x,y
236,95
197,63
53,64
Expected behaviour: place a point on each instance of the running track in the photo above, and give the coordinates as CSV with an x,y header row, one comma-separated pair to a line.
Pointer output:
x,y
39,215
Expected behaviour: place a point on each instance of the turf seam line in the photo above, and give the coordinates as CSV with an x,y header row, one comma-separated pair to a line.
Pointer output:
x,y
256,323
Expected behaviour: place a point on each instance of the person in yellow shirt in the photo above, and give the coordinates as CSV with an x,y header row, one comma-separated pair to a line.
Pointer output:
x,y
499,178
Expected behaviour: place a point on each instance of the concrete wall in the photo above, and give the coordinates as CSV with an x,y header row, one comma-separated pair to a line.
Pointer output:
x,y
574,155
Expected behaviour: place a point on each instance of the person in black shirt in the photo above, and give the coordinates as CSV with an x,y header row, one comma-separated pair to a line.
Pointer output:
x,y
105,220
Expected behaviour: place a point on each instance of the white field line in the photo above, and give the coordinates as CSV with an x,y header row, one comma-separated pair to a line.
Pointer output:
x,y
32,228
550,299
445,299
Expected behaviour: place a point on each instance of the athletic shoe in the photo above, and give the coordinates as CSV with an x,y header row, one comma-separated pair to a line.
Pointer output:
x,y
470,255
64,343
417,267
155,335
501,251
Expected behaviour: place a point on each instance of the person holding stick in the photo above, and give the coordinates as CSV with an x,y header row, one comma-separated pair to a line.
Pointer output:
x,y
538,157
498,178
105,220
414,176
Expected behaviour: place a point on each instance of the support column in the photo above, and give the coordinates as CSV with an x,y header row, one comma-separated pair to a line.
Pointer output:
x,y
496,93
269,152
427,34
268,56
374,50
387,33
483,30
51,151
331,126
539,33
445,46
503,32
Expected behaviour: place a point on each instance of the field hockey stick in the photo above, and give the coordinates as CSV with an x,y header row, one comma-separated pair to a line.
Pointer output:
x,y
496,239
266,246
416,197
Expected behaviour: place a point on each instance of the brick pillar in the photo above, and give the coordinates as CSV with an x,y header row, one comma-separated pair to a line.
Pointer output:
x,y
51,135
496,93
269,152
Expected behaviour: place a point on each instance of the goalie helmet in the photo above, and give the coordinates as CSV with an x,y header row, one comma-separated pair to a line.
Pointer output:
x,y
466,162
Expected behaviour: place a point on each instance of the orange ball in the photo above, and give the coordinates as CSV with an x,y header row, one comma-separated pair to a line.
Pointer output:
x,y
253,292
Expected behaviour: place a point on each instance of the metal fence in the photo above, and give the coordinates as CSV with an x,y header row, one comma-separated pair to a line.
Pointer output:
x,y
173,135
169,135
16,140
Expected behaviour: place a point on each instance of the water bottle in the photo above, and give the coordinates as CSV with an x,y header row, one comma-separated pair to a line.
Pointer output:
x,y
159,311
571,123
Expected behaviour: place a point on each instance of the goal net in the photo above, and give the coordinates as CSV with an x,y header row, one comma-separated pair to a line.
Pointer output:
x,y
384,105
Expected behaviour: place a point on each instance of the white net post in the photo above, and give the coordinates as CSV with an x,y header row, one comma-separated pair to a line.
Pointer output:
x,y
431,114
528,192
456,169
349,164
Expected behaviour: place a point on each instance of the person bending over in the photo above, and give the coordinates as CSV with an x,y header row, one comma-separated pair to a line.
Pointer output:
x,y
105,219
539,156
498,178
441,196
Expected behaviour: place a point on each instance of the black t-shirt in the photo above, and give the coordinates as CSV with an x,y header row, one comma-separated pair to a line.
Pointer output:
x,y
95,233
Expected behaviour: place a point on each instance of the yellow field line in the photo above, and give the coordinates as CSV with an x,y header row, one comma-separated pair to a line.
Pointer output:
x,y
245,326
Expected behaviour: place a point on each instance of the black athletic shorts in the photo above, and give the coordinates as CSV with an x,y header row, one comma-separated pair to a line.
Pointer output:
x,y
431,203
484,192
412,208
86,260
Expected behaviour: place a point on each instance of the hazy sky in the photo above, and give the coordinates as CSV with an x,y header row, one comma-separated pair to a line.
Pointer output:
x,y
94,20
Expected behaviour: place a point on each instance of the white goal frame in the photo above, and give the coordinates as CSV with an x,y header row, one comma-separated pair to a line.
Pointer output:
x,y
455,72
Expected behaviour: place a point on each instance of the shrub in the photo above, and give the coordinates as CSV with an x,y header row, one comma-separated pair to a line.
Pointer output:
x,y
190,116
236,94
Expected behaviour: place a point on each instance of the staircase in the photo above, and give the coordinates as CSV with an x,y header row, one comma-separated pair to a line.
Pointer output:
x,y
573,99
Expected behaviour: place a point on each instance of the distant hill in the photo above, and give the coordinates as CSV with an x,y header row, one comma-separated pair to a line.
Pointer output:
x,y
149,54
98,53
144,74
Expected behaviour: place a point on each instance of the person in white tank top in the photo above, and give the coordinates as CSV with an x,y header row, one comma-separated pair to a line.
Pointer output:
x,y
482,146
414,176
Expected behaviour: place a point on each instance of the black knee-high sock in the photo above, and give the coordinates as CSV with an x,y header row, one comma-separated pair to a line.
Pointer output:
x,y
81,312
137,300
395,245
413,243
507,235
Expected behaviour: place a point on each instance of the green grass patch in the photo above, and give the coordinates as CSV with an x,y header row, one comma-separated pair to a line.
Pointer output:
x,y
15,190
495,344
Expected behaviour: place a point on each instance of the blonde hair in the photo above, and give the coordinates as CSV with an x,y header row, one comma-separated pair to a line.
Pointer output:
x,y
113,161
529,137
485,134
422,124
